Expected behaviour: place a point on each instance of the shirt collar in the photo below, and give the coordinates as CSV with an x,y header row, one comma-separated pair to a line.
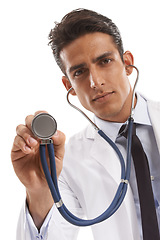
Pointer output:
x,y
141,116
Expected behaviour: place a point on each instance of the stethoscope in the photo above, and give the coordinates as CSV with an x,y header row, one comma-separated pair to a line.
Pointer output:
x,y
44,126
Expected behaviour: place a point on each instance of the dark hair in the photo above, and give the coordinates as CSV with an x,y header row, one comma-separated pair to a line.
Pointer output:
x,y
77,23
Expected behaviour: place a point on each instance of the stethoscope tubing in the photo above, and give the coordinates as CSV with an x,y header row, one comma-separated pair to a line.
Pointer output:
x,y
51,177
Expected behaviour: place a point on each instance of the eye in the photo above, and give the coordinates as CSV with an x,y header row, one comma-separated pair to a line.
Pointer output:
x,y
79,72
105,61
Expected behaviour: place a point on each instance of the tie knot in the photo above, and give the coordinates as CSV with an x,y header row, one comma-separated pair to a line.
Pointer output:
x,y
124,130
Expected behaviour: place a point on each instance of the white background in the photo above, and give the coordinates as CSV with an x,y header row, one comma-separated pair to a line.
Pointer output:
x,y
30,79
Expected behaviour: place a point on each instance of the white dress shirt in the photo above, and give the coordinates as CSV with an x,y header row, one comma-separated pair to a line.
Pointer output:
x,y
146,135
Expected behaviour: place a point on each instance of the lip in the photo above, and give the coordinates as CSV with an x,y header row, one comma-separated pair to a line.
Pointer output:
x,y
103,97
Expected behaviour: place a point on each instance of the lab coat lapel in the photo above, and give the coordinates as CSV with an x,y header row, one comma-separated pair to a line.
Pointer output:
x,y
105,155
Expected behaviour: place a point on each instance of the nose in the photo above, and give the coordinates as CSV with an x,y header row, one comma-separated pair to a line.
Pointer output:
x,y
96,80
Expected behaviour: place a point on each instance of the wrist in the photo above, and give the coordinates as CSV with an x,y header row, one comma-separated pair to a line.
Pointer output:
x,y
39,205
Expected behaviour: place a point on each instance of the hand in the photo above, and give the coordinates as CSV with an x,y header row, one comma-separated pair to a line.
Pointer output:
x,y
27,165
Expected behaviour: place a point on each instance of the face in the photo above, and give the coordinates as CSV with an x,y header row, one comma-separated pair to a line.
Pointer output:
x,y
98,76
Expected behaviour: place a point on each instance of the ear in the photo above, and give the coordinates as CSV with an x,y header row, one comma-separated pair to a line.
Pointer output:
x,y
67,84
128,60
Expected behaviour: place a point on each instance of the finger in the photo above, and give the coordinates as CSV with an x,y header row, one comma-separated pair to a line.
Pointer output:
x,y
20,145
29,119
26,134
40,111
17,155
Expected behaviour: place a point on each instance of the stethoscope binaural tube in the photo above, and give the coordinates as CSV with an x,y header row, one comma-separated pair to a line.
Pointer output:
x,y
51,175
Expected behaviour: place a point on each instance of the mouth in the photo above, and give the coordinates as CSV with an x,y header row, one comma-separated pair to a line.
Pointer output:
x,y
103,97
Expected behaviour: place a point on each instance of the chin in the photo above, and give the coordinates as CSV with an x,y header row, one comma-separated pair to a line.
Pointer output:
x,y
113,115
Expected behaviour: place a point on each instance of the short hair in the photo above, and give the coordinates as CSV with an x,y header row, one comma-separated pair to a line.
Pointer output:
x,y
78,23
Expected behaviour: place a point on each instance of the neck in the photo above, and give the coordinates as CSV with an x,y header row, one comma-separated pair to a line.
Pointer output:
x,y
123,115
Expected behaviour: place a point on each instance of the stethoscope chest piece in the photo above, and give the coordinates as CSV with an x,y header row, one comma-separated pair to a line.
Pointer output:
x,y
44,126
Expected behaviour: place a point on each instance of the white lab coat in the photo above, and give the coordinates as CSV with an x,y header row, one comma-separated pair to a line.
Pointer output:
x,y
90,177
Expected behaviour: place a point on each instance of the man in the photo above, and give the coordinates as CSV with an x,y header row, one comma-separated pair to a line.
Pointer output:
x,y
88,48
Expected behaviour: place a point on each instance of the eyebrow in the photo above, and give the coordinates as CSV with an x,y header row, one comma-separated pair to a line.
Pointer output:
x,y
75,67
106,54
81,65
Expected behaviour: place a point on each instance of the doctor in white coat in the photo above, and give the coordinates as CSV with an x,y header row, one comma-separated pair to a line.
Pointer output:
x,y
88,49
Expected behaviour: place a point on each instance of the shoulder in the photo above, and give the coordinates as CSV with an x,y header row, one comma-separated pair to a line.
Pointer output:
x,y
152,105
153,111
